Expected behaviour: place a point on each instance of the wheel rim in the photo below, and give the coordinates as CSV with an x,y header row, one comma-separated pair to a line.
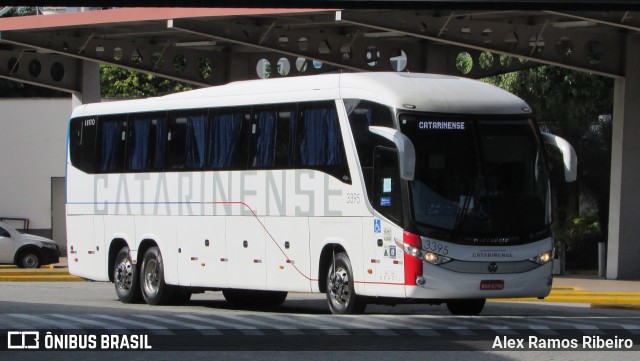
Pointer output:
x,y
124,275
339,287
30,261
151,277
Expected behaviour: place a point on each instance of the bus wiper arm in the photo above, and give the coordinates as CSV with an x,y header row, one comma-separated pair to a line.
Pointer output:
x,y
462,213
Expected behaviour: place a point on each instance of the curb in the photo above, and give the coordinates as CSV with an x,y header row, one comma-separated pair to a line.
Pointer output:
x,y
53,278
44,274
600,300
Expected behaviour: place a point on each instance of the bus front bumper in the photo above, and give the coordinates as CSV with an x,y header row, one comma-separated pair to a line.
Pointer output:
x,y
440,283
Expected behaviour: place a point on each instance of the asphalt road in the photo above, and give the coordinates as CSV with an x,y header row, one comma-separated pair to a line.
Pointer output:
x,y
303,328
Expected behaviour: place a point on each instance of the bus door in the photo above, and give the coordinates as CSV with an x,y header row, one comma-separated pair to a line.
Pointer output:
x,y
386,197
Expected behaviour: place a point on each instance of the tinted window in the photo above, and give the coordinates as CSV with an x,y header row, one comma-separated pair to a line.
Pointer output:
x,y
319,140
228,139
319,137
387,194
145,146
271,130
111,142
4,233
185,140
82,143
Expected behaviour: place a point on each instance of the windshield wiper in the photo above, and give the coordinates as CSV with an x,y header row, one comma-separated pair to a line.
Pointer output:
x,y
462,213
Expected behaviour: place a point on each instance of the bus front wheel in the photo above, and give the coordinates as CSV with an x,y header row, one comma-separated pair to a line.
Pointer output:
x,y
341,294
471,307
154,289
125,278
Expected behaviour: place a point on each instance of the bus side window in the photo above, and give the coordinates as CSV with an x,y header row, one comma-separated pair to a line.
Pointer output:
x,y
263,138
228,139
362,115
271,131
319,141
387,194
186,141
145,147
82,143
285,137
111,142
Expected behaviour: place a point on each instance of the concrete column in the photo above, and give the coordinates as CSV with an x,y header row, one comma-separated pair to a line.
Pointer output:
x,y
89,84
436,59
624,206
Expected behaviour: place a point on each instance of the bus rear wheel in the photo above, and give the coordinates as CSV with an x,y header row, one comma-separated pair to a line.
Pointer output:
x,y
471,307
341,294
125,278
154,289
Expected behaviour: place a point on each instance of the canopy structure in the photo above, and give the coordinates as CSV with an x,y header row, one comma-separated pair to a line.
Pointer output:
x,y
211,46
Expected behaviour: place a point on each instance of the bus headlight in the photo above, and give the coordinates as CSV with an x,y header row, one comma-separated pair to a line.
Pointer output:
x,y
435,258
542,258
426,256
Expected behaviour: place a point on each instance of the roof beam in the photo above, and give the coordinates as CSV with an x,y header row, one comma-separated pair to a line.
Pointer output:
x,y
622,21
597,53
174,63
265,40
47,70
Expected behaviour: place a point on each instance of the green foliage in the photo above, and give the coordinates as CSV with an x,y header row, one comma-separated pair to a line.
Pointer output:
x,y
123,83
464,63
581,237
21,11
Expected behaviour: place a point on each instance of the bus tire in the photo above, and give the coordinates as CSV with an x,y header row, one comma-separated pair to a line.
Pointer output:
x,y
471,307
341,294
154,289
125,278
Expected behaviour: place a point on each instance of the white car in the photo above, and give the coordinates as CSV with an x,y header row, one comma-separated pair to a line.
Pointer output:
x,y
26,250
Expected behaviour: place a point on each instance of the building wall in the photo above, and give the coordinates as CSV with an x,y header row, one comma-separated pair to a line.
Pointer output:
x,y
33,137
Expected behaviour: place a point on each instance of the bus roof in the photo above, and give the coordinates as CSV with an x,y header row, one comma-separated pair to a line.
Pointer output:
x,y
420,92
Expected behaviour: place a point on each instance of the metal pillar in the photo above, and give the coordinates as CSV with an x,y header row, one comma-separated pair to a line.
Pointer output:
x,y
624,227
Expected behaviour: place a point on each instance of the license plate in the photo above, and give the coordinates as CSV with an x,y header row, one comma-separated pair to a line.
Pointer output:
x,y
491,285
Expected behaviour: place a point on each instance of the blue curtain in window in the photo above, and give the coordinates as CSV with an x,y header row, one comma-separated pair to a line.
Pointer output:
x,y
110,136
195,141
311,153
265,142
321,143
224,140
292,137
140,147
334,154
158,158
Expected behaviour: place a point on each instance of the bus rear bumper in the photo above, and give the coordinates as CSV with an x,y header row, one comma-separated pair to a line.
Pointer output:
x,y
444,284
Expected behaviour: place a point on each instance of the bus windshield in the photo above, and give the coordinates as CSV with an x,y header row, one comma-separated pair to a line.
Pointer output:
x,y
478,177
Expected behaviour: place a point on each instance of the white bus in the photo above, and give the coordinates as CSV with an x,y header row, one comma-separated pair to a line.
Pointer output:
x,y
369,187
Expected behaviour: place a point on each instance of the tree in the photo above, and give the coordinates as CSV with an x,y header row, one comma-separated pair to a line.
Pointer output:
x,y
123,83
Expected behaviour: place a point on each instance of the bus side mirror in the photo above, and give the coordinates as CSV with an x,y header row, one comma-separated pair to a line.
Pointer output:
x,y
568,155
406,152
